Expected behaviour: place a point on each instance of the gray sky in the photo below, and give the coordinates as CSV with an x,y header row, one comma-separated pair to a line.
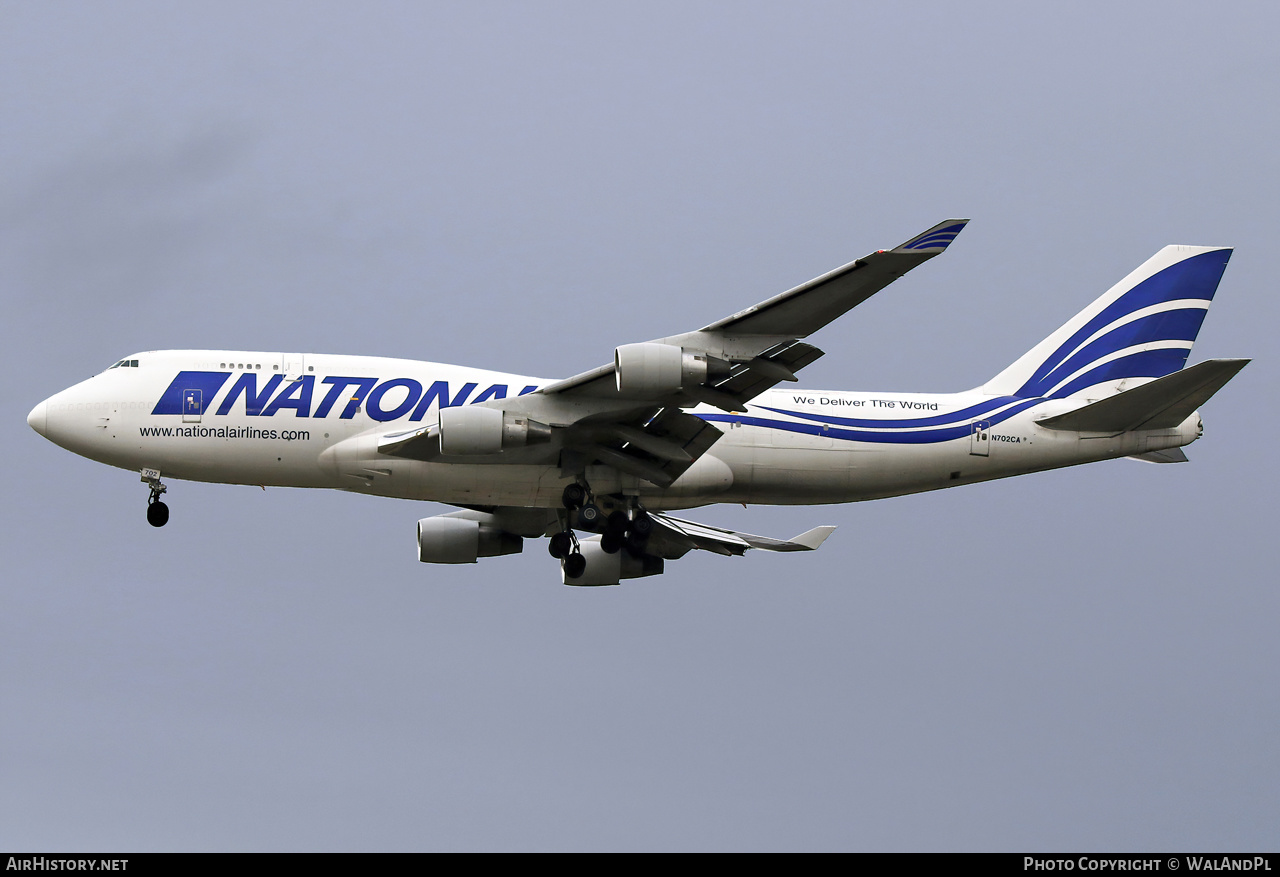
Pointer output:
x,y
1082,659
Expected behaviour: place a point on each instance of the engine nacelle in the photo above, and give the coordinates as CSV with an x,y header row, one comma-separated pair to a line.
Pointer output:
x,y
472,430
609,569
648,370
445,539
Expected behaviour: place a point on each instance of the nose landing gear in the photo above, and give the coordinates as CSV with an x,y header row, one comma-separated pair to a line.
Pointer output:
x,y
157,511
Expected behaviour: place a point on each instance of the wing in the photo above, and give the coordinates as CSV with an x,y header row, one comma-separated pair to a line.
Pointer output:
x,y
765,337
671,539
467,535
799,312
629,414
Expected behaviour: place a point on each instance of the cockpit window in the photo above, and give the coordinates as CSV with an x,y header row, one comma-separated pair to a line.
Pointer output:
x,y
124,363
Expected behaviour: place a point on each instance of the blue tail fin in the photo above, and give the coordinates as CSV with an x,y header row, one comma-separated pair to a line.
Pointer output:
x,y
1141,328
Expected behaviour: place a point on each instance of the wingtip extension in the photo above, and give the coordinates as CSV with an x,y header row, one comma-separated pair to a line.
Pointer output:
x,y
935,240
811,539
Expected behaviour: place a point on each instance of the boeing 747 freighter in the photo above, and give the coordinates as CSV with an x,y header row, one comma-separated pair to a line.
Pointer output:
x,y
596,462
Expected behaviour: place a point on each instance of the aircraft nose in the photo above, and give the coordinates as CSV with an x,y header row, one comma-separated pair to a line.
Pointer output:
x,y
38,418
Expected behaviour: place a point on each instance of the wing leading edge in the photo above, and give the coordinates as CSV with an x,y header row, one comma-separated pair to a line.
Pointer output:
x,y
764,339
808,307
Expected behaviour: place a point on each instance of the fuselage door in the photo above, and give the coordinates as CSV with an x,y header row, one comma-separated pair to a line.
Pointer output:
x,y
980,439
293,365
192,405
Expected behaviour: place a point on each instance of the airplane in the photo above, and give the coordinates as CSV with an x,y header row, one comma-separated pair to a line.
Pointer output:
x,y
675,423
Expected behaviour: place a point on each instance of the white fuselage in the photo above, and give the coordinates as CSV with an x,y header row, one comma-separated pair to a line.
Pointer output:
x,y
315,420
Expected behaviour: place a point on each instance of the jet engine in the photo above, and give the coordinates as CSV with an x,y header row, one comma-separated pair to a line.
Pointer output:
x,y
472,430
609,569
446,539
649,370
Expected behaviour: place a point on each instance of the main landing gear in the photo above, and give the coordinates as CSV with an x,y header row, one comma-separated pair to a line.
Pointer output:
x,y
157,511
627,527
564,545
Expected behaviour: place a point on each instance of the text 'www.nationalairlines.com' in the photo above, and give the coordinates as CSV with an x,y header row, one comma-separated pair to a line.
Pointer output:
x,y
225,432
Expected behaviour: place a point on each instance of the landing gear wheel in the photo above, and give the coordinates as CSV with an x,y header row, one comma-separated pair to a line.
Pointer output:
x,y
617,523
635,543
157,513
575,565
641,525
574,496
611,542
560,545
590,516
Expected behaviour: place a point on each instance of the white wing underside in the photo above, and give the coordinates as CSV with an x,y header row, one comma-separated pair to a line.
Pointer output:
x,y
690,535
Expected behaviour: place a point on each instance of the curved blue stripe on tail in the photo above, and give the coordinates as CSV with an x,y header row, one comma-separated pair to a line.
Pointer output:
x,y
1147,364
1194,277
1177,325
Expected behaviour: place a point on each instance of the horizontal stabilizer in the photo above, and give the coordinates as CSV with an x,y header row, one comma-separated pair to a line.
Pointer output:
x,y
1160,404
